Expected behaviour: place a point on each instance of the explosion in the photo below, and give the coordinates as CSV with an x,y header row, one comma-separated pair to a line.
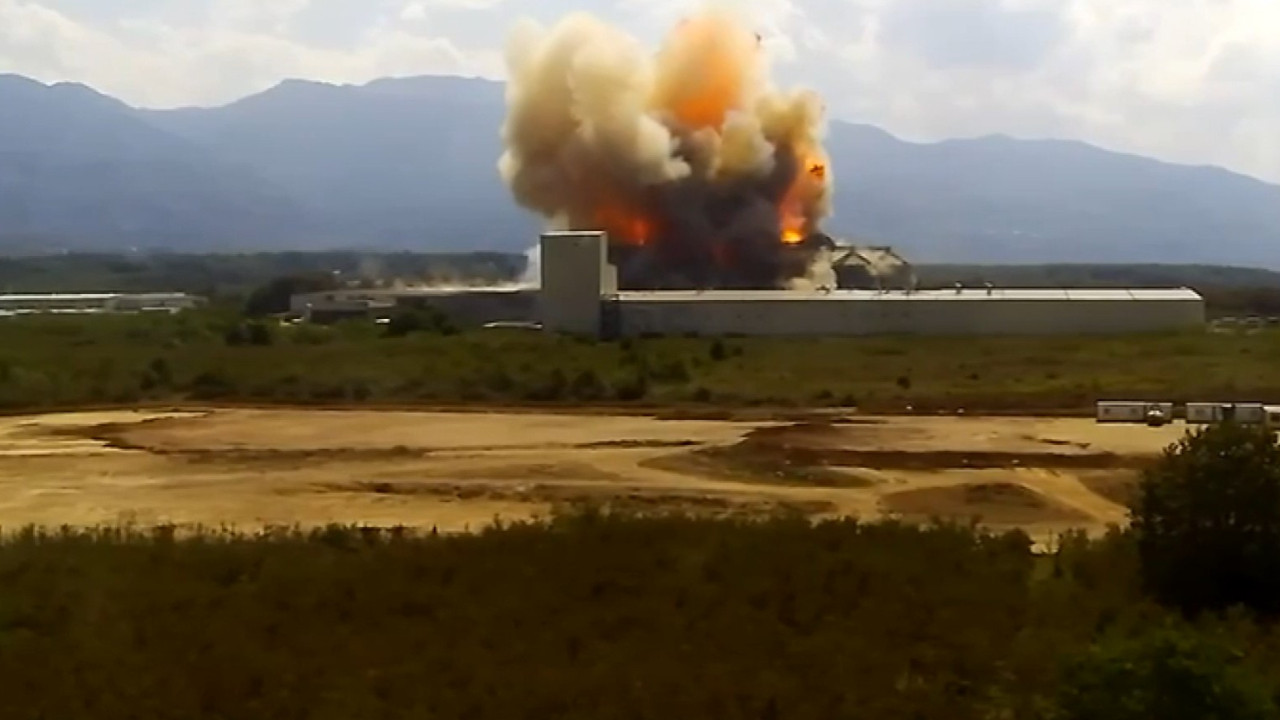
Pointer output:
x,y
703,174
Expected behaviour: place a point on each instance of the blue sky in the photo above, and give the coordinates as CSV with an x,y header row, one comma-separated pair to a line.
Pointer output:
x,y
1185,80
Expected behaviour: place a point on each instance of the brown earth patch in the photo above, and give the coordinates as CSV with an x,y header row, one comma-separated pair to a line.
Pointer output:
x,y
752,463
988,503
636,501
1118,487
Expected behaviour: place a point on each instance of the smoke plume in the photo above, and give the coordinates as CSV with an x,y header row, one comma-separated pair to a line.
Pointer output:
x,y
702,173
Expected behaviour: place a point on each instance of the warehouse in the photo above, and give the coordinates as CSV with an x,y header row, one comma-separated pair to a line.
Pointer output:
x,y
89,303
467,307
579,294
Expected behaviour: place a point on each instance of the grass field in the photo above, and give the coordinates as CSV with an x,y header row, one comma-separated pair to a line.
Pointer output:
x,y
207,356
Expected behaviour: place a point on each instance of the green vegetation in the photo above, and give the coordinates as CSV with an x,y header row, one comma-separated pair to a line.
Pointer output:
x,y
216,355
592,616
236,276
1207,518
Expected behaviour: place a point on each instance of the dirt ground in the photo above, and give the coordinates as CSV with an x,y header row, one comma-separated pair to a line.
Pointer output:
x,y
459,471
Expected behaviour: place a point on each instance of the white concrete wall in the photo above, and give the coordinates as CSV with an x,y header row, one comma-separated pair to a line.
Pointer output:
x,y
821,316
575,276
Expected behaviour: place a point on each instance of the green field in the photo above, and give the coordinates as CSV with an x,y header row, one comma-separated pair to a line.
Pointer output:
x,y
211,356
588,617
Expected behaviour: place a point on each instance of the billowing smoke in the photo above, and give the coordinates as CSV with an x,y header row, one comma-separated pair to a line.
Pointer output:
x,y
703,174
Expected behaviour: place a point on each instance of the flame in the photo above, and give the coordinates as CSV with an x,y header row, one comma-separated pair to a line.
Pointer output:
x,y
623,224
792,218
705,78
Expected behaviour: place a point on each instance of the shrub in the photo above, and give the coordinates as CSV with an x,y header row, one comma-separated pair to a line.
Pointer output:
x,y
587,385
414,320
554,387
1207,521
718,351
249,333
211,385
632,387
1170,673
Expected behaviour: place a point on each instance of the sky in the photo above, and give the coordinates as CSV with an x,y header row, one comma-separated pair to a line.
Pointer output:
x,y
1193,81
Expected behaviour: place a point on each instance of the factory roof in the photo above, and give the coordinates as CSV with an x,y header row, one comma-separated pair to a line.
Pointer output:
x,y
432,291
979,294
21,297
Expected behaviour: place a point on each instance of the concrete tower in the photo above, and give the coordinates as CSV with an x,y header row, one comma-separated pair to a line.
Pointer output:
x,y
576,276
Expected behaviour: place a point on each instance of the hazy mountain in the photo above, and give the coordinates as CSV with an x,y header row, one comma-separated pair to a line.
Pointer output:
x,y
79,169
405,163
997,199
411,163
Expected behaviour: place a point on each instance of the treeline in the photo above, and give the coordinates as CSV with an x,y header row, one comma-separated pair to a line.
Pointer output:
x,y
1084,275
218,355
236,276
600,614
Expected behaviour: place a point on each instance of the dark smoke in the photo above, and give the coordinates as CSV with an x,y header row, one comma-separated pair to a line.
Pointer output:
x,y
703,175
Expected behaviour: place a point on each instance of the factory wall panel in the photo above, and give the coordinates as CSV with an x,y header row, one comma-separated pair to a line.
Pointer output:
x,y
925,316
575,275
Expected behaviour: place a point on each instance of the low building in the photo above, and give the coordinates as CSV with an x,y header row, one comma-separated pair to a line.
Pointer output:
x,y
466,307
63,303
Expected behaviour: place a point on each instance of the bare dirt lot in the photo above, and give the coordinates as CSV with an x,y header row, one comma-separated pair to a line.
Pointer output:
x,y
458,471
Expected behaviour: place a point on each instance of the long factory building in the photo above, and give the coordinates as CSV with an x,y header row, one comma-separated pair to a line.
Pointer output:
x,y
579,294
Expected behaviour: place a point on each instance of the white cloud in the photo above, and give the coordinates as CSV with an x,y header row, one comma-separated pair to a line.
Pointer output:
x,y
1188,80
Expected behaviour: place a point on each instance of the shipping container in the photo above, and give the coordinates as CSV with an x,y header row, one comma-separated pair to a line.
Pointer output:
x,y
1205,413
1134,411
1251,413
1120,411
1201,413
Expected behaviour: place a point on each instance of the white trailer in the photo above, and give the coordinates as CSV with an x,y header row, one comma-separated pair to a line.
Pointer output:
x,y
1202,413
1206,413
1134,411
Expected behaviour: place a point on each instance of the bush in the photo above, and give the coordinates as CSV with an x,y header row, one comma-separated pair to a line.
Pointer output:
x,y
1207,521
249,333
632,387
1170,674
415,320
719,351
587,386
211,385
554,387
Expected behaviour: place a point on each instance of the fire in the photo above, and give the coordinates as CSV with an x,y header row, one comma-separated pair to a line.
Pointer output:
x,y
623,224
792,216
674,154
701,74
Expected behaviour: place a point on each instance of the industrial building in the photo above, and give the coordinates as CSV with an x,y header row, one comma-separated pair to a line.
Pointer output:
x,y
465,306
579,294
89,303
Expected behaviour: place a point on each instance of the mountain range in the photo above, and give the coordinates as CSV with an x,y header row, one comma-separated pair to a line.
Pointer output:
x,y
410,163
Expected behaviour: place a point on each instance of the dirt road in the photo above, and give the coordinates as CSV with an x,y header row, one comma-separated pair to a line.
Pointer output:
x,y
458,471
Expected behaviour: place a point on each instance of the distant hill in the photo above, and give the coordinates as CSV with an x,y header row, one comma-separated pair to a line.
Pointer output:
x,y
411,164
396,163
78,169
